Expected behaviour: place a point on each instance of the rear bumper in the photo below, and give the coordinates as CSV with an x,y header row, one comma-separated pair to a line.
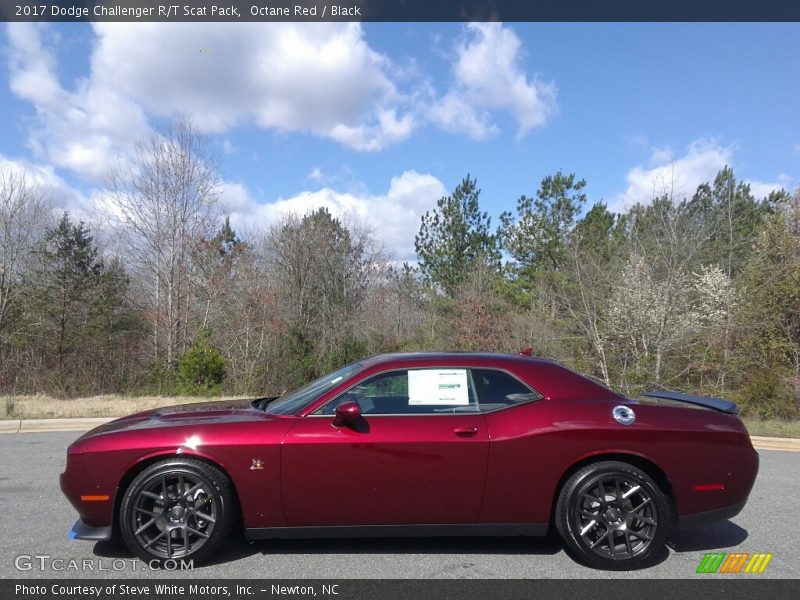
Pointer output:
x,y
710,516
83,531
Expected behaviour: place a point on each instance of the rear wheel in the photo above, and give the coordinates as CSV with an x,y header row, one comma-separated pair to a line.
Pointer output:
x,y
612,515
177,509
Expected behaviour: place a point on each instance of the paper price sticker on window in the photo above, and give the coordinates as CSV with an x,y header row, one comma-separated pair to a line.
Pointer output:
x,y
438,387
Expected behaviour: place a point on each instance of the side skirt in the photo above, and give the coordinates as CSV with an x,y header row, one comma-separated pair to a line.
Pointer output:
x,y
357,531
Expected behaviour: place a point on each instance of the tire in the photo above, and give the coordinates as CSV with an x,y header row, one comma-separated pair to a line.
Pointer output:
x,y
191,524
612,515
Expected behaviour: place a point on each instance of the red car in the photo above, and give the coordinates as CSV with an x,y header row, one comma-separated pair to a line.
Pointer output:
x,y
418,444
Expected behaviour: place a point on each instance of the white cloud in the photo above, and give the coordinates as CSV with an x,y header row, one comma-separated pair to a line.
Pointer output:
x,y
315,174
228,147
488,76
83,130
320,78
762,189
677,178
394,216
56,192
316,78
659,156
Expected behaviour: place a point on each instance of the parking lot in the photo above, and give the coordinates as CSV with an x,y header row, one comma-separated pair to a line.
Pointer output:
x,y
35,518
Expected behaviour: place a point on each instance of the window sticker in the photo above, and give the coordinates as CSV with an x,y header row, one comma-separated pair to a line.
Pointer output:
x,y
438,387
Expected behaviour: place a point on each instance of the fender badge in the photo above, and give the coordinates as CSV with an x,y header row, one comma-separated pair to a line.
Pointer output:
x,y
257,465
624,415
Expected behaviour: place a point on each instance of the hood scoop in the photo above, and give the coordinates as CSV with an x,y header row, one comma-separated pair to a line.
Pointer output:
x,y
199,410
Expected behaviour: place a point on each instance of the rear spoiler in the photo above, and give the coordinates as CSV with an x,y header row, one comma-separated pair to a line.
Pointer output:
x,y
715,403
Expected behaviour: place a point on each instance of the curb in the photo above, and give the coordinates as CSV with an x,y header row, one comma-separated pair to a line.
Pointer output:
x,y
772,443
53,425
50,425
10,426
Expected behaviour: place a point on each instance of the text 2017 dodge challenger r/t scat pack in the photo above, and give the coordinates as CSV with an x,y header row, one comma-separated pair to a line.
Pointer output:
x,y
417,444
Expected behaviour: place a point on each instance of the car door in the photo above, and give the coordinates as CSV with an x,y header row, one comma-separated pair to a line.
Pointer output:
x,y
418,455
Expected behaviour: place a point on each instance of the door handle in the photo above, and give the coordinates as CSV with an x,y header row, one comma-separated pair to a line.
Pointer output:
x,y
465,431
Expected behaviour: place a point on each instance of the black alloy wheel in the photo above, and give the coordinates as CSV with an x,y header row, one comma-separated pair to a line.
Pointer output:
x,y
177,509
612,515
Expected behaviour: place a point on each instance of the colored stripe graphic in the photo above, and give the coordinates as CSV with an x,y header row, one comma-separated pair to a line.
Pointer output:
x,y
758,563
711,562
720,562
735,559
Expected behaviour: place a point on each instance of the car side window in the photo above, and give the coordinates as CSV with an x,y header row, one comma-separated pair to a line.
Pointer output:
x,y
498,389
411,391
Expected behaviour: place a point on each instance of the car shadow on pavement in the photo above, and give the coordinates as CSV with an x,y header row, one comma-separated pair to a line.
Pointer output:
x,y
411,545
712,537
238,547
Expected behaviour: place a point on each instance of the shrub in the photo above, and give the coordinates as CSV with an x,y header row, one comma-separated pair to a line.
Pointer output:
x,y
767,395
201,369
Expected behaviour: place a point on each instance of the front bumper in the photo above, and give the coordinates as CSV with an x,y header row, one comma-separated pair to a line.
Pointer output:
x,y
83,531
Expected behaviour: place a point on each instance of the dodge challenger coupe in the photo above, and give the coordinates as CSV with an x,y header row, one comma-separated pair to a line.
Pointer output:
x,y
417,444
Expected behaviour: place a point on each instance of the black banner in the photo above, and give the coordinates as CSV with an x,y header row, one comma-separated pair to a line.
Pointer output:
x,y
397,589
400,10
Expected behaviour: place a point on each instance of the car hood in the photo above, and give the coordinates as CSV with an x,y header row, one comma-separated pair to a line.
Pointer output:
x,y
198,413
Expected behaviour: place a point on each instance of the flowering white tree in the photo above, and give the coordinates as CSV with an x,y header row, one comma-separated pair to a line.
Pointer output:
x,y
648,314
714,308
715,296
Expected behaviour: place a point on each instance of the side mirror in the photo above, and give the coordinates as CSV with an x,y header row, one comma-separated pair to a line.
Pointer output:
x,y
347,412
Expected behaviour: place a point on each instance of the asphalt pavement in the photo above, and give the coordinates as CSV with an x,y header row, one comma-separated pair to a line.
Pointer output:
x,y
35,518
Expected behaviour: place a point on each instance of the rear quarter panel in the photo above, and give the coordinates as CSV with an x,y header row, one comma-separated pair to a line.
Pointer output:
x,y
533,446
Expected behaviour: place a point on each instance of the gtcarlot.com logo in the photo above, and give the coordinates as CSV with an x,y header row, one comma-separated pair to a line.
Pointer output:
x,y
735,562
46,562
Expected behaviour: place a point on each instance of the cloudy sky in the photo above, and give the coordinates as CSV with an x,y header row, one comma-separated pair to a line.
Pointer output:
x,y
377,121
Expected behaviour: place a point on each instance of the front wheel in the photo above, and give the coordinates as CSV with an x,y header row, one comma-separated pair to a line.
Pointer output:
x,y
177,509
612,515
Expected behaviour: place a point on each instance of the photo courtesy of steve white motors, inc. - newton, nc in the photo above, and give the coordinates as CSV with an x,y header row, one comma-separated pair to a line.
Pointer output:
x,y
143,589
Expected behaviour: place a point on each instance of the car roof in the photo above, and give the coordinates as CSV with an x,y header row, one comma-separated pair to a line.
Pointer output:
x,y
476,357
552,380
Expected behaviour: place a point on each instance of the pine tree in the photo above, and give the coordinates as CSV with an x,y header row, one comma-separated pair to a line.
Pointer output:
x,y
68,274
201,369
456,239
537,238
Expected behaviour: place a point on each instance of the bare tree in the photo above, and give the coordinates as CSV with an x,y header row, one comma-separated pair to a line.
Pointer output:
x,y
167,203
323,270
585,300
23,220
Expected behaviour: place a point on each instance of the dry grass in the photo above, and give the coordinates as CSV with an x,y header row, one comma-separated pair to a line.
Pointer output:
x,y
773,428
47,407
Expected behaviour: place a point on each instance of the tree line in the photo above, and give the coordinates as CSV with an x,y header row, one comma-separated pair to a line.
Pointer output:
x,y
698,293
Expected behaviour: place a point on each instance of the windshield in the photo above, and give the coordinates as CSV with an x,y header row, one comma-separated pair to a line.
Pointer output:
x,y
306,395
